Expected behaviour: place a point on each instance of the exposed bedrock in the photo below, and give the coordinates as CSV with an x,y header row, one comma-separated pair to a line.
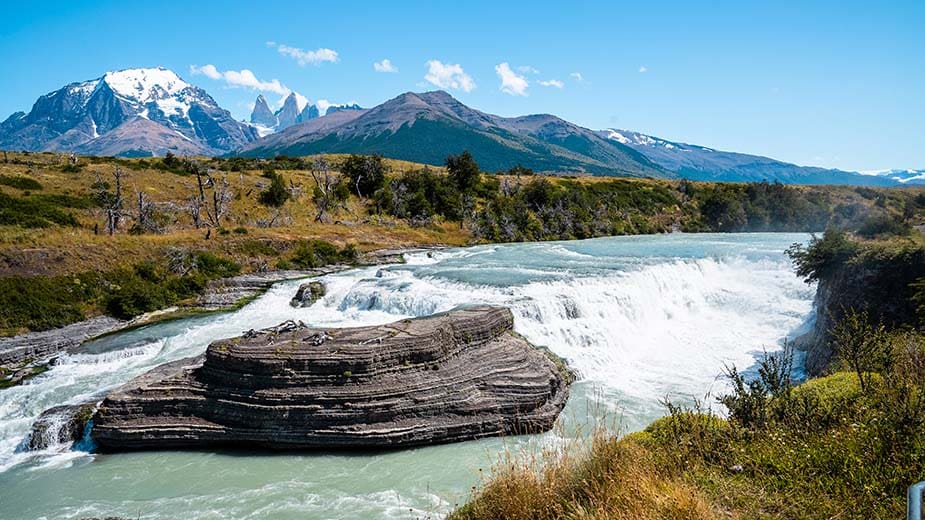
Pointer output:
x,y
60,425
308,293
451,377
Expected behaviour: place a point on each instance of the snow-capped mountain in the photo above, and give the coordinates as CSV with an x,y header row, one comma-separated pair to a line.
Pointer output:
x,y
706,164
132,112
908,177
296,109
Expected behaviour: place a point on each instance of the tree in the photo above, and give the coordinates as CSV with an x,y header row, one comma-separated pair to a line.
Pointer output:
x,y
860,343
366,173
464,171
111,202
221,198
277,193
329,189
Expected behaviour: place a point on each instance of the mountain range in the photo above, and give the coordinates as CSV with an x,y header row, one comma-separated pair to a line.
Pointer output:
x,y
706,164
152,111
426,127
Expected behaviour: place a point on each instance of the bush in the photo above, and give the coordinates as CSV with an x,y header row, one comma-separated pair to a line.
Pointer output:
x,y
22,183
823,254
277,193
319,253
883,226
34,211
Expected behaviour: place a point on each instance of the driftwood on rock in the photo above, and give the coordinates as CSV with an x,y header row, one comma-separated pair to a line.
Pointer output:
x,y
452,377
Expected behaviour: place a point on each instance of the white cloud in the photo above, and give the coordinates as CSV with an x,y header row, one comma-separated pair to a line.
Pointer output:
x,y
208,71
511,82
643,69
446,75
527,69
384,66
323,105
240,78
551,83
577,76
303,57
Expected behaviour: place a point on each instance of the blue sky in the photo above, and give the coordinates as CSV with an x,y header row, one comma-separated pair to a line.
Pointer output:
x,y
835,84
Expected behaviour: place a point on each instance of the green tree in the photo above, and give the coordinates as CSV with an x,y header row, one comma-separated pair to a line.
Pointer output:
x,y
277,193
464,171
366,173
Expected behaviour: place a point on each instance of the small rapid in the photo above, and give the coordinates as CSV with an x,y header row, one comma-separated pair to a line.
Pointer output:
x,y
639,318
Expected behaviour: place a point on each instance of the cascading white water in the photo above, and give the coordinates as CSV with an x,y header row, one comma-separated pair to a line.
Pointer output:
x,y
638,317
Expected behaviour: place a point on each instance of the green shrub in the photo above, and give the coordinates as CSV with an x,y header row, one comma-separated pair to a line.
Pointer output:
x,y
34,211
318,253
823,254
883,226
277,193
22,183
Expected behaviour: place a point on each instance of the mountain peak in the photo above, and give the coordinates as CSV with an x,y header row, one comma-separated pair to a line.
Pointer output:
x,y
262,116
145,84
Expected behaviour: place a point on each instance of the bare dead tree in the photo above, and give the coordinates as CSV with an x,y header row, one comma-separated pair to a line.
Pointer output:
x,y
144,212
324,193
193,208
112,202
221,198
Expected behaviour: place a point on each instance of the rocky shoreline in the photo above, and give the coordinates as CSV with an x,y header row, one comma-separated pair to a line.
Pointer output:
x,y
456,376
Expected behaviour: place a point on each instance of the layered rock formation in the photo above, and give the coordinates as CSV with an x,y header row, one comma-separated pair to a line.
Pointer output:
x,y
451,377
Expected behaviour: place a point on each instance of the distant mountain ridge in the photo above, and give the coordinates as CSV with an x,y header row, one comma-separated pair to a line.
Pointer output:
x,y
152,111
101,116
296,109
706,164
426,127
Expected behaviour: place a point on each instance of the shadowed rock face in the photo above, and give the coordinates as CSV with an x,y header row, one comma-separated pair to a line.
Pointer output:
x,y
60,425
446,378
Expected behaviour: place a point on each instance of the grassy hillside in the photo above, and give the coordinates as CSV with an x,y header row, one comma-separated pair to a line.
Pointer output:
x,y
56,215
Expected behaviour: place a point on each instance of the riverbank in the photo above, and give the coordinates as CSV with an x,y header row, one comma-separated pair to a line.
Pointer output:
x,y
845,444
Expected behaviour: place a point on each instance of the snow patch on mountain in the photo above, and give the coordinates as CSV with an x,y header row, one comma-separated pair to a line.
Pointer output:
x,y
144,85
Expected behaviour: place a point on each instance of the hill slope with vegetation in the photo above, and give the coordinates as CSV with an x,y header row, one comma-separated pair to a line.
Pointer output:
x,y
86,236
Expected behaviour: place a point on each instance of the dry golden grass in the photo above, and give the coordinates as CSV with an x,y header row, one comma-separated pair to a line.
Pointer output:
x,y
62,250
595,478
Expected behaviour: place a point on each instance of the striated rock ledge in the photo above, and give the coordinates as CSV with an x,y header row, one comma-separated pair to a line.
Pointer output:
x,y
44,344
452,377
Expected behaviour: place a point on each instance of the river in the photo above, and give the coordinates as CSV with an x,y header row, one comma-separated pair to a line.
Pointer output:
x,y
639,318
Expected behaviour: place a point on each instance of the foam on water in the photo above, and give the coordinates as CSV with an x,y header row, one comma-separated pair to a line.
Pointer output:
x,y
638,317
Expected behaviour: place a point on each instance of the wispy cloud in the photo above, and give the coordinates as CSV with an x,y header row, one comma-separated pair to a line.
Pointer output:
x,y
384,66
643,69
303,57
511,82
527,69
551,83
577,76
447,75
240,78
